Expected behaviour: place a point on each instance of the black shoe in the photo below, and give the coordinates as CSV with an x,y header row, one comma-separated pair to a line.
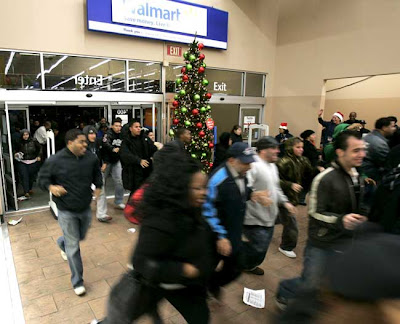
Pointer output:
x,y
215,292
281,303
256,271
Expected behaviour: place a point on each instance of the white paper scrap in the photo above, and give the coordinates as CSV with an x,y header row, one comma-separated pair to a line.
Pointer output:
x,y
132,230
14,222
255,298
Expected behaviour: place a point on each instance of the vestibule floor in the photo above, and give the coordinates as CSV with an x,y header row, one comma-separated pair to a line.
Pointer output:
x,y
44,278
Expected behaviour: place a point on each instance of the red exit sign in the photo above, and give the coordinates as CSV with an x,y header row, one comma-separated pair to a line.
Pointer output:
x,y
174,50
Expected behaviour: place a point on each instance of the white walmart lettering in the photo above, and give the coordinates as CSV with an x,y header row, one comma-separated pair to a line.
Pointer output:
x,y
157,12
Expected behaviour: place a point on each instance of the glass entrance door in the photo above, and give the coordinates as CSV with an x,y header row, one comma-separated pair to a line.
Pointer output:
x,y
13,120
250,115
149,115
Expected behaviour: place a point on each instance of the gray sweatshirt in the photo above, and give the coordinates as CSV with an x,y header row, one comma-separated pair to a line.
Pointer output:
x,y
264,176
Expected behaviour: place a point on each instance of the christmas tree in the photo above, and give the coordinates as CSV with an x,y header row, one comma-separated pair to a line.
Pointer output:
x,y
192,110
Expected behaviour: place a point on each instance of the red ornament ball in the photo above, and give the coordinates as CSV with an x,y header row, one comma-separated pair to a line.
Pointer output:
x,y
175,103
202,57
201,69
195,111
185,78
211,145
176,121
199,125
200,46
208,95
183,70
211,164
202,134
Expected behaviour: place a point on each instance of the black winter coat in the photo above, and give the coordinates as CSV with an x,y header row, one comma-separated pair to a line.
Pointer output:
x,y
168,241
31,149
133,150
386,207
311,152
221,155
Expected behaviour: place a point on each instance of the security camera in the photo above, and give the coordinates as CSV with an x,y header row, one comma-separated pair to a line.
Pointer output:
x,y
222,98
89,95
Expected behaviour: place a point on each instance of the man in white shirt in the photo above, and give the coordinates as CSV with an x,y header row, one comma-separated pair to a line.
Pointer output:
x,y
260,220
41,133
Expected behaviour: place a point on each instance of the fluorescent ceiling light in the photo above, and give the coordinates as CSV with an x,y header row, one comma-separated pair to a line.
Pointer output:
x,y
177,67
148,74
115,74
53,66
149,64
98,64
9,63
148,82
28,54
118,82
65,81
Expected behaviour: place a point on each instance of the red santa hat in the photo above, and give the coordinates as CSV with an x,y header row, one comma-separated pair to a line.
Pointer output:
x,y
283,125
339,115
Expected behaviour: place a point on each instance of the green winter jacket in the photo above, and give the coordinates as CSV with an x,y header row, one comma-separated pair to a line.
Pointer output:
x,y
294,169
329,150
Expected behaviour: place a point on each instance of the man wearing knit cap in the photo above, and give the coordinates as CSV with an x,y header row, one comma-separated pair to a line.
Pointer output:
x,y
329,126
259,220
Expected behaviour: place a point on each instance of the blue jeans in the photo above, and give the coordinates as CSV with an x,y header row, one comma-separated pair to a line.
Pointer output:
x,y
313,268
74,226
116,173
28,173
255,250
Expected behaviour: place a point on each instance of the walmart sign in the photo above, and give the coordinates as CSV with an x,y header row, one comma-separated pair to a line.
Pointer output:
x,y
173,20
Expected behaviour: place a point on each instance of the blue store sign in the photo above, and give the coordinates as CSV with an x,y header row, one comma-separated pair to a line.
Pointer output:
x,y
172,20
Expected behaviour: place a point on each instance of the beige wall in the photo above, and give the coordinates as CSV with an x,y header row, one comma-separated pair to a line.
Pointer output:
x,y
371,98
60,27
319,40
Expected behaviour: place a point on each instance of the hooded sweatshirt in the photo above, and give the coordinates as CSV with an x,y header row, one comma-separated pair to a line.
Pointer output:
x,y
329,150
294,169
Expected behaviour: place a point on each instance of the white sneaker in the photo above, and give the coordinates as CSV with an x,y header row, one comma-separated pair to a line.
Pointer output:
x,y
289,254
120,206
64,255
81,290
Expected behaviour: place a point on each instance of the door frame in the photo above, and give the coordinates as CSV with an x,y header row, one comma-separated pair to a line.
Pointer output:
x,y
21,100
7,109
244,107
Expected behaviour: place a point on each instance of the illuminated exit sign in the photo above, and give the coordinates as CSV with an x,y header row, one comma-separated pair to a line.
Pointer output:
x,y
174,50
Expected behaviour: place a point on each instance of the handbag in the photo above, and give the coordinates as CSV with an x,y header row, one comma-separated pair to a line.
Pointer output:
x,y
130,298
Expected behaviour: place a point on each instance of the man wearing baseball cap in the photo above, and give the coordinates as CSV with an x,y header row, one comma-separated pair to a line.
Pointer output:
x,y
329,126
259,222
225,209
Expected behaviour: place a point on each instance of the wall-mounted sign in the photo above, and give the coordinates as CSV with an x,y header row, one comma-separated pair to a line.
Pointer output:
x,y
219,86
89,80
248,120
172,20
174,50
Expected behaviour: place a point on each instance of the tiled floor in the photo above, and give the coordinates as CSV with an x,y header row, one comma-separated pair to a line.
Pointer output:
x,y
44,278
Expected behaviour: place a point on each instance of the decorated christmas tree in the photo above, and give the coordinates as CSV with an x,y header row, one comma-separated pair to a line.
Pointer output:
x,y
192,110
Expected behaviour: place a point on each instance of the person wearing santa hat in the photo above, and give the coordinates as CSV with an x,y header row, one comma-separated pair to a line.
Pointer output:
x,y
329,126
284,134
282,137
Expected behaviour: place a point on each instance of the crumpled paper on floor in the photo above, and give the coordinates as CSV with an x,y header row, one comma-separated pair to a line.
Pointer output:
x,y
254,298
